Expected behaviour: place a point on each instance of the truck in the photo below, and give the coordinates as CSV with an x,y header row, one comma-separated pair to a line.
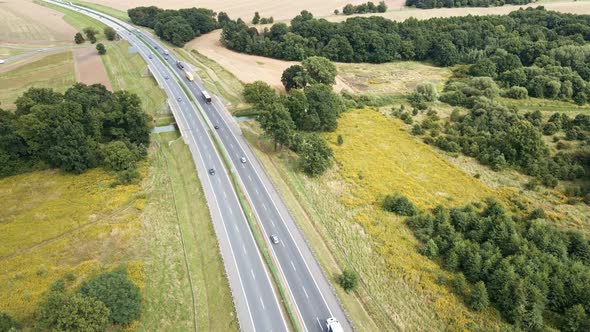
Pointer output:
x,y
206,96
180,65
188,75
333,325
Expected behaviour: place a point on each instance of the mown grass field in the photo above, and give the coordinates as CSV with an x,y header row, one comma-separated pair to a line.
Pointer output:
x,y
53,71
399,77
400,289
53,224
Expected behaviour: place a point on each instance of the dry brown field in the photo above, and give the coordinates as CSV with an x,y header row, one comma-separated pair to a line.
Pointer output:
x,y
247,68
279,9
24,22
90,68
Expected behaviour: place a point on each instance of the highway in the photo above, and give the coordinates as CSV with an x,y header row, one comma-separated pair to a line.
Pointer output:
x,y
257,304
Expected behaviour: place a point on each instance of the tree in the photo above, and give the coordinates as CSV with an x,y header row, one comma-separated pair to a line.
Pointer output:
x,y
320,70
348,280
381,7
117,292
176,30
399,204
90,34
430,249
348,9
259,93
340,140
101,49
7,323
575,319
336,12
110,33
276,122
315,155
256,18
324,108
478,299
78,38
60,311
223,18
117,156
294,77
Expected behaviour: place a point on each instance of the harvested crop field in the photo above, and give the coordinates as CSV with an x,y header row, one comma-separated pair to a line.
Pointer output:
x,y
24,22
391,78
247,68
245,9
573,7
89,68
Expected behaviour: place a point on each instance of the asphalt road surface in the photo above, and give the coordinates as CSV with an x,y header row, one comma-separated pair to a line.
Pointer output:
x,y
256,302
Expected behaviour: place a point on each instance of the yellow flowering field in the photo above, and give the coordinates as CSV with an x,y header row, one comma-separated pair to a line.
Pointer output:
x,y
54,225
378,158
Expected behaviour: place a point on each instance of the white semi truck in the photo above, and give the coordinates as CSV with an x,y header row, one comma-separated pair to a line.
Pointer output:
x,y
333,325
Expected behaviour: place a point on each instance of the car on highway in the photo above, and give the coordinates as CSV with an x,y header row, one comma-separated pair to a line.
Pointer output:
x,y
166,77
211,171
333,325
150,56
216,127
243,160
179,99
156,47
275,239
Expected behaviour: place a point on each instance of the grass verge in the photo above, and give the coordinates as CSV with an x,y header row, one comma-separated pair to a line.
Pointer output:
x,y
182,250
105,9
53,71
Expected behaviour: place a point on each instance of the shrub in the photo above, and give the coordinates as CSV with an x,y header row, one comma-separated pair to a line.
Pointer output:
x,y
101,49
400,205
7,323
537,213
118,293
78,38
60,311
348,280
516,92
110,33
430,249
427,91
340,140
460,284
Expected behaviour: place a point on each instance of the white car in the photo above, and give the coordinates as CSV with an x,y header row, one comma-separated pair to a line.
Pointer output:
x,y
275,239
243,160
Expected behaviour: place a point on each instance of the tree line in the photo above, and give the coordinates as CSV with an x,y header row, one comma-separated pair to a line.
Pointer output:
x,y
176,26
524,266
86,127
428,4
364,8
105,300
294,120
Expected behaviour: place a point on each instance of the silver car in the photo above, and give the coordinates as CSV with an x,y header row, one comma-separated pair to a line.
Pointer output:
x,y
275,239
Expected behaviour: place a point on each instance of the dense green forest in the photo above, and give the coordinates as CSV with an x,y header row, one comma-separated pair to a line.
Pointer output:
x,y
533,273
175,26
86,127
530,48
427,4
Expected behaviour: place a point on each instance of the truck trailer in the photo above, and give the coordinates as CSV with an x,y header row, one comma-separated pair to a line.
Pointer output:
x,y
206,96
